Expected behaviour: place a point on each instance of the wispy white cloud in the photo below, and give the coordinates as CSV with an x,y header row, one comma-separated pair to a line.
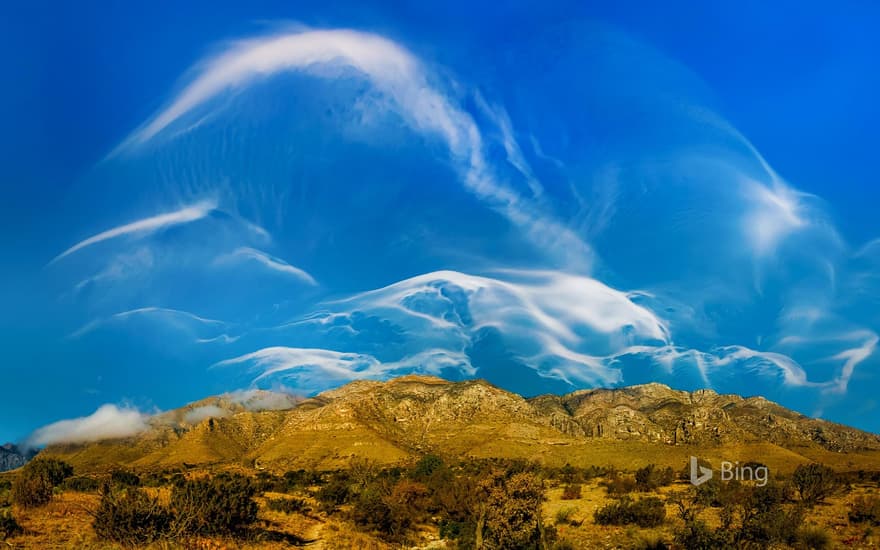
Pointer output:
x,y
270,262
333,364
409,90
145,226
108,422
314,369
120,267
175,317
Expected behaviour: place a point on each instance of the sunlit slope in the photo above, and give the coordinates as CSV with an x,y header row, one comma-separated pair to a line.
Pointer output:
x,y
390,422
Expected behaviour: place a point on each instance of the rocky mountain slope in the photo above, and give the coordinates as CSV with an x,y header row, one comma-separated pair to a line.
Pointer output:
x,y
396,420
11,457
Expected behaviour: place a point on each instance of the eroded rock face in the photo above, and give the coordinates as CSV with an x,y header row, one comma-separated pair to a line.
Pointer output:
x,y
11,457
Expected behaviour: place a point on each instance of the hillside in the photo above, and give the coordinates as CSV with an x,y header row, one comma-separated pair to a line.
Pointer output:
x,y
405,417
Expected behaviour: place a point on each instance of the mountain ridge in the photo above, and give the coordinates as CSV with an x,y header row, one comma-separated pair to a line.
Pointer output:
x,y
401,418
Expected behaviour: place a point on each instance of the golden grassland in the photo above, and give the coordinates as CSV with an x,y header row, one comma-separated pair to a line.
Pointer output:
x,y
66,523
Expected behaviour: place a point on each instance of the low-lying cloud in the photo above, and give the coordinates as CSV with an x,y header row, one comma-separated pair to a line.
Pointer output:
x,y
108,422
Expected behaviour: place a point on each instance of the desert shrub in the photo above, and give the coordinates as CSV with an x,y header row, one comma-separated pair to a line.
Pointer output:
x,y
8,526
461,532
650,477
287,505
53,469
131,517
865,509
618,484
177,480
650,542
370,511
454,499
571,491
81,484
564,515
697,535
426,467
300,479
265,482
814,482
32,489
765,519
335,493
222,505
645,512
125,478
717,493
812,538
390,512
510,516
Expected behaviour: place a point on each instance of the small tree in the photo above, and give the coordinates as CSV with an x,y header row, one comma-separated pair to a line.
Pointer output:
x,y
814,482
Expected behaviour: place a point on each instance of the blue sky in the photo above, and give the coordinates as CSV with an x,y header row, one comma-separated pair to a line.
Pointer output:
x,y
215,197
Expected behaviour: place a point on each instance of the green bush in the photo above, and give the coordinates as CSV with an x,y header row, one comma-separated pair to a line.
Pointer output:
x,y
8,526
222,505
131,517
81,484
865,509
571,491
287,505
645,512
815,482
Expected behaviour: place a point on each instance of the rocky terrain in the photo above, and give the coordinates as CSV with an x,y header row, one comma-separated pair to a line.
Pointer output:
x,y
11,457
396,420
